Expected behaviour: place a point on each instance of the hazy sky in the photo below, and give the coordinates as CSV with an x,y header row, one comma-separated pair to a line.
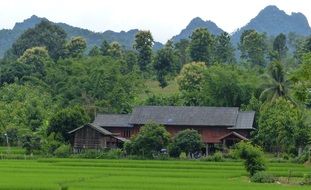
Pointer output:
x,y
164,18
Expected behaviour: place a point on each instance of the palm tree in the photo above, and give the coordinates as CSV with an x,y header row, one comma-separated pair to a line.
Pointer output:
x,y
278,85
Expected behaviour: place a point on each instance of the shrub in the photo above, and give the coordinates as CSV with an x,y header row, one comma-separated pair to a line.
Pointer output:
x,y
305,156
263,177
113,154
183,156
307,179
89,153
149,141
188,141
174,151
216,157
63,151
252,156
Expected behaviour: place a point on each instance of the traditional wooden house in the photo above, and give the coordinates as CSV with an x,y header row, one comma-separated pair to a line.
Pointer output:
x,y
217,125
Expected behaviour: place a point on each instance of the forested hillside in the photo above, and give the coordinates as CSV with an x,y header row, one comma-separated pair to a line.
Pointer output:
x,y
126,39
50,83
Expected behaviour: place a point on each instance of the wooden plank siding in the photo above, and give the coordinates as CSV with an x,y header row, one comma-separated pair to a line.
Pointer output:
x,y
89,138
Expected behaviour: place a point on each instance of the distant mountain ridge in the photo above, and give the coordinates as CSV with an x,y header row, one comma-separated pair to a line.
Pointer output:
x,y
274,21
126,39
270,20
193,25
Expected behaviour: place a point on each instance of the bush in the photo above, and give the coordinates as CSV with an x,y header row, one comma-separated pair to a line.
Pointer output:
x,y
113,154
188,141
63,151
304,157
89,153
252,155
263,177
307,179
216,157
183,156
174,151
149,141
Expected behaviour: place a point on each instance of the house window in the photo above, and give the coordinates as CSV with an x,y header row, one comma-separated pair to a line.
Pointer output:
x,y
127,133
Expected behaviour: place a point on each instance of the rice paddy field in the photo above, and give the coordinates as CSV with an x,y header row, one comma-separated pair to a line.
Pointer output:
x,y
78,174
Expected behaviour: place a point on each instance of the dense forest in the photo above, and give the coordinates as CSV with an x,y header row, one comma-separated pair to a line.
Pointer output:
x,y
50,84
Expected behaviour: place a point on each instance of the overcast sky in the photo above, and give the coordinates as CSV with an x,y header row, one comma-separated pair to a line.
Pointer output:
x,y
164,18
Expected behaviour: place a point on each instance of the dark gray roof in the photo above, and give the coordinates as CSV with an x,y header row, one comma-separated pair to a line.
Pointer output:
x,y
185,115
112,120
245,120
96,127
234,134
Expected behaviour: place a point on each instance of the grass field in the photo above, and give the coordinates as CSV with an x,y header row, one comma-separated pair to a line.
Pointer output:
x,y
132,174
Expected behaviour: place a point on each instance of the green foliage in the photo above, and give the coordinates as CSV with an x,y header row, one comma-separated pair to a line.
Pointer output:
x,y
216,157
149,141
174,150
31,143
278,124
227,85
201,46
44,34
143,44
253,47
307,179
36,58
277,84
95,51
188,141
252,156
190,82
164,62
63,151
224,51
115,50
75,47
24,110
263,177
66,120
182,51
279,46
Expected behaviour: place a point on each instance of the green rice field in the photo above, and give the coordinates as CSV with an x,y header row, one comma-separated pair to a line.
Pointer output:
x,y
61,174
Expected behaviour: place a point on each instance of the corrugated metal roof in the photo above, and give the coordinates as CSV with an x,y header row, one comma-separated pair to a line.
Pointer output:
x,y
112,120
185,115
245,120
94,126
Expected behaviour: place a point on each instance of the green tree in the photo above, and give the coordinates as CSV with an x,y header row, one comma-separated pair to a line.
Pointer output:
x,y
278,124
66,120
143,44
252,155
253,47
182,50
228,85
201,46
188,141
104,47
163,63
95,51
149,141
277,84
279,46
190,82
75,47
45,34
224,51
115,50
37,58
